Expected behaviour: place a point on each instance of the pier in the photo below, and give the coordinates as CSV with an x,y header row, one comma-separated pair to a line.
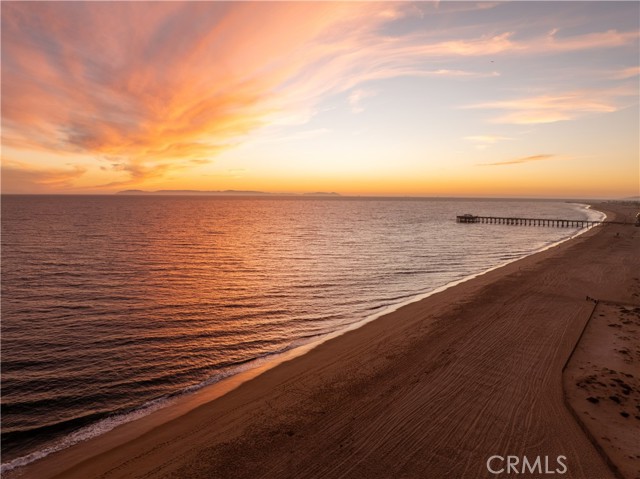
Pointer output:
x,y
555,222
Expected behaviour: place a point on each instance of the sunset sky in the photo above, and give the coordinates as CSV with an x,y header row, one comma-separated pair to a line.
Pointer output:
x,y
530,99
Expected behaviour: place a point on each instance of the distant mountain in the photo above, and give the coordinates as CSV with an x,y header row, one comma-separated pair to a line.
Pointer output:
x,y
193,192
215,193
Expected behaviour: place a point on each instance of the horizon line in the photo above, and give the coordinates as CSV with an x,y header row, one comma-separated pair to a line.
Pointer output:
x,y
329,195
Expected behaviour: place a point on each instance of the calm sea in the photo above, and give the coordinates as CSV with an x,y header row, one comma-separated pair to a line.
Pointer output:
x,y
112,304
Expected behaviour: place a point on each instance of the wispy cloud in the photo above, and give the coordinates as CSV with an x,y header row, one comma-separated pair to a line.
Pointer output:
x,y
356,97
553,43
517,161
446,73
556,107
461,74
150,86
297,136
18,177
232,173
625,73
482,142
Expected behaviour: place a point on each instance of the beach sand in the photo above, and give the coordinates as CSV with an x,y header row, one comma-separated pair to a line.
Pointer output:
x,y
429,391
602,382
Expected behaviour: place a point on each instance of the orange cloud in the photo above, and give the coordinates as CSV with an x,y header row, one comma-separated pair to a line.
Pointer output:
x,y
517,161
150,86
20,178
144,86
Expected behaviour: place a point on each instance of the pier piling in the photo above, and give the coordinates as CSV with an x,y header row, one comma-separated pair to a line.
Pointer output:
x,y
549,222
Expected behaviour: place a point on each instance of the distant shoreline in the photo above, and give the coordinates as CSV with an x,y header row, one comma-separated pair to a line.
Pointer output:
x,y
218,193
330,195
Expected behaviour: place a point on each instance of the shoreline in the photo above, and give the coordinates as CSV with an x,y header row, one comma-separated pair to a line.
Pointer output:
x,y
163,410
443,299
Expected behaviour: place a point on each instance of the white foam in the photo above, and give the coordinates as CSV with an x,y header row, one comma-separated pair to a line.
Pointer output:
x,y
87,432
105,425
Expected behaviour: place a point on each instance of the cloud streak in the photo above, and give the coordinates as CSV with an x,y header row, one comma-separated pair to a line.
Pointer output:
x,y
518,161
18,177
625,73
551,108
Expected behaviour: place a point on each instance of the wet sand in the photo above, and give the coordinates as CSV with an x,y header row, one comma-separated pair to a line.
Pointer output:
x,y
429,391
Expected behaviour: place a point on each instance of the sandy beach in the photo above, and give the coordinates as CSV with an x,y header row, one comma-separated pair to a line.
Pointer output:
x,y
602,383
432,390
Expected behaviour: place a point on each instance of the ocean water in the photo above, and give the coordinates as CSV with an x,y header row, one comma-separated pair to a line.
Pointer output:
x,y
113,304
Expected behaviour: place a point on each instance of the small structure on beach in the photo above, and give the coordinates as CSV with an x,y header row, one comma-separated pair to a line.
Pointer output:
x,y
466,218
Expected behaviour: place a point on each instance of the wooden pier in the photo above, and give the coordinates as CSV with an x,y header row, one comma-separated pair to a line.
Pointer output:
x,y
561,223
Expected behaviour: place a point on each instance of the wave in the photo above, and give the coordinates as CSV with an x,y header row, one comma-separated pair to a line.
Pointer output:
x,y
95,428
87,432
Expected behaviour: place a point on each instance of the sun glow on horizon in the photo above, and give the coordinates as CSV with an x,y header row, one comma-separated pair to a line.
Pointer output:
x,y
427,99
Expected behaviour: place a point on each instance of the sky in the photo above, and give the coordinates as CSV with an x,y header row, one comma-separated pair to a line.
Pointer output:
x,y
449,98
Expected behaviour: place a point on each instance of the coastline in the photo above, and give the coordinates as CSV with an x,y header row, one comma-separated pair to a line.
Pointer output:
x,y
417,320
167,408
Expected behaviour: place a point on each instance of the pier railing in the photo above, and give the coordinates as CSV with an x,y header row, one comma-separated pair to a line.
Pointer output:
x,y
562,223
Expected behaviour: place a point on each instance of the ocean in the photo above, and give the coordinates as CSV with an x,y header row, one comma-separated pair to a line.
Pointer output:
x,y
113,305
